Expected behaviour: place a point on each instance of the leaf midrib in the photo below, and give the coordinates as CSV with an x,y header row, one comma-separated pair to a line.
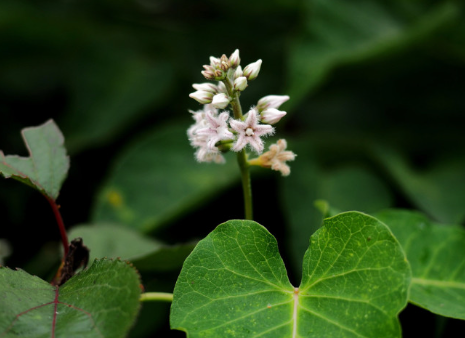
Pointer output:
x,y
438,283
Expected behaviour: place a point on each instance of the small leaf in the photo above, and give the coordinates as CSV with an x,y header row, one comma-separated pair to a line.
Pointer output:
x,y
437,256
46,167
156,179
234,284
113,240
102,301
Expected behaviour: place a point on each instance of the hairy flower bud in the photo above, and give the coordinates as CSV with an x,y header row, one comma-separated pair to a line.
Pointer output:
x,y
271,101
272,115
240,83
206,87
220,101
234,59
202,96
251,71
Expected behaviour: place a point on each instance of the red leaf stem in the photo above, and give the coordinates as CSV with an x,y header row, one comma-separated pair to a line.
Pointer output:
x,y
61,225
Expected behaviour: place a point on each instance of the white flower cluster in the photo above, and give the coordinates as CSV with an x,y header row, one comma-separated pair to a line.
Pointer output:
x,y
216,132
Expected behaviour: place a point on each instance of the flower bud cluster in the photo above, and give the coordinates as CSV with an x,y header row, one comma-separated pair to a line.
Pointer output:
x,y
214,132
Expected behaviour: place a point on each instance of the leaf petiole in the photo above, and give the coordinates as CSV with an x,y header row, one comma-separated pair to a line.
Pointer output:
x,y
156,296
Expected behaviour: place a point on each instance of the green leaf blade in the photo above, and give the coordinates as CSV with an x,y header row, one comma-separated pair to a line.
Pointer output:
x,y
240,262
234,283
102,301
354,264
437,256
48,164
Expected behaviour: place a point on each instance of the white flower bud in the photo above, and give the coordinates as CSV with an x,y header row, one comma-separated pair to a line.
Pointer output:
x,y
220,101
222,88
238,72
251,71
202,96
214,62
206,87
240,83
271,101
234,59
224,63
272,115
209,72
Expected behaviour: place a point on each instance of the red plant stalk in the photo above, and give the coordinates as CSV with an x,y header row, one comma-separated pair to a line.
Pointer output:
x,y
61,225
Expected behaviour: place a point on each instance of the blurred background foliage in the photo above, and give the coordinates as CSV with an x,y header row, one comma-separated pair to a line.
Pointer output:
x,y
376,117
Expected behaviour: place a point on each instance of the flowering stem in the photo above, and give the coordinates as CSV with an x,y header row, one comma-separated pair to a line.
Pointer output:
x,y
241,156
246,186
156,296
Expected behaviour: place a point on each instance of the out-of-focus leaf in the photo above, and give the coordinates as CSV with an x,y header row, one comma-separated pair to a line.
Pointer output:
x,y
437,256
340,32
438,191
157,179
102,301
234,284
46,167
346,188
113,240
166,258
110,78
5,250
110,93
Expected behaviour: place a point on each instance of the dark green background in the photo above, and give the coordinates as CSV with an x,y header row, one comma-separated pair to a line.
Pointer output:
x,y
372,84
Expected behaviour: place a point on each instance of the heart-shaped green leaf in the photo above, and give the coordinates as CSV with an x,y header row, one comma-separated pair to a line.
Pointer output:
x,y
437,256
46,167
102,301
234,284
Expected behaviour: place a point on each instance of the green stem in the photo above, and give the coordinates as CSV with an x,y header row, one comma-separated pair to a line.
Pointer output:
x,y
156,296
241,156
246,186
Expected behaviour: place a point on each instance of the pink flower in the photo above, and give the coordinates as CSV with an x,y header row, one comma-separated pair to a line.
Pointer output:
x,y
277,157
217,129
250,131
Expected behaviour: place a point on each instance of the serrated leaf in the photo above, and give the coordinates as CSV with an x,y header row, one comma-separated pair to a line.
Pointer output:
x,y
102,301
46,167
113,240
156,179
234,284
437,256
